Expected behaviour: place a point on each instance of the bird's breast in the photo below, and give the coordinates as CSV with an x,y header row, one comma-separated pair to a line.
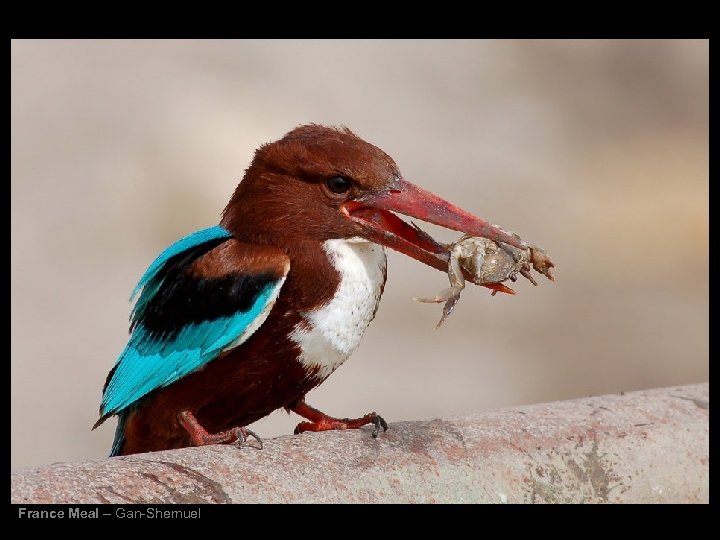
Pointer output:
x,y
328,335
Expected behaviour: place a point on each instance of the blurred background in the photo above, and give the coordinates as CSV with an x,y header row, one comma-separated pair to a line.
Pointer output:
x,y
595,150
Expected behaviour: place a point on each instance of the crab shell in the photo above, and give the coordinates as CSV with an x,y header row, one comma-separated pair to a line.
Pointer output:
x,y
488,261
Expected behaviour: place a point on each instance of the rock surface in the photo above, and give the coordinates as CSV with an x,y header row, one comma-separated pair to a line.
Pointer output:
x,y
648,446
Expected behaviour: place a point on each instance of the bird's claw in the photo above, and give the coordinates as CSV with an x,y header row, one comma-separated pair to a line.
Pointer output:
x,y
378,422
321,422
243,434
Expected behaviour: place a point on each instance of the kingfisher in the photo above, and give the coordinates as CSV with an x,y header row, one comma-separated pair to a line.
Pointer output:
x,y
233,322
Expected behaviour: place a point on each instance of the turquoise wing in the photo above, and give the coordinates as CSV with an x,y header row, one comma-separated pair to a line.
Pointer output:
x,y
182,320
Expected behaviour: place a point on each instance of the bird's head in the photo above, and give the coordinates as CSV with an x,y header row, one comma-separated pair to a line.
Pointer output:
x,y
318,183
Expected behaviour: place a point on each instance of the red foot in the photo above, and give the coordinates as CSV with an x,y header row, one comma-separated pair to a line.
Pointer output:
x,y
320,421
200,437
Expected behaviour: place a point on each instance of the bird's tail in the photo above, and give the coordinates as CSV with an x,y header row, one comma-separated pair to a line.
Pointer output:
x,y
119,433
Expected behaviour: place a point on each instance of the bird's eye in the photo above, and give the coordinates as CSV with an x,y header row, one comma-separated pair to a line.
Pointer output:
x,y
338,184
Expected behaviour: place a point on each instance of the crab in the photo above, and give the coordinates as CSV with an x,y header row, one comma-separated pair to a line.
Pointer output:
x,y
488,263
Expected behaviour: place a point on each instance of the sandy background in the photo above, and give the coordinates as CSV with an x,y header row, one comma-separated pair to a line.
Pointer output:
x,y
597,151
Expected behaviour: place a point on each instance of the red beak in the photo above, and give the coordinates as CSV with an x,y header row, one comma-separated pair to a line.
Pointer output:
x,y
372,213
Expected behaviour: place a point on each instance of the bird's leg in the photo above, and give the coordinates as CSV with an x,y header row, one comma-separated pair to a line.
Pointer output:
x,y
320,421
200,436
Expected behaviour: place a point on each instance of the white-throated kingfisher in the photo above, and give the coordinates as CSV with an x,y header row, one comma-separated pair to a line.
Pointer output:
x,y
238,320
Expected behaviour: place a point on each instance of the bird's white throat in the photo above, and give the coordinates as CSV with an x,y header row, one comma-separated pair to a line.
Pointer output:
x,y
331,333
